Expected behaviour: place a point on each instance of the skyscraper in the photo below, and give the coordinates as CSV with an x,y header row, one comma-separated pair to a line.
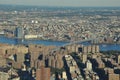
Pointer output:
x,y
19,32
43,74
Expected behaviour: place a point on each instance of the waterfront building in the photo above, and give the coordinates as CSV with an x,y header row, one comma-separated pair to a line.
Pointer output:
x,y
19,32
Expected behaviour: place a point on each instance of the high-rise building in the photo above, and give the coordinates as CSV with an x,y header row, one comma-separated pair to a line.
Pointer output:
x,y
2,61
43,74
39,63
53,63
73,48
20,57
19,60
118,59
89,49
89,65
19,32
84,58
64,75
59,64
93,49
97,49
111,75
84,49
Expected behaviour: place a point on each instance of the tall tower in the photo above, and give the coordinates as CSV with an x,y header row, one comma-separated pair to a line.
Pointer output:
x,y
19,32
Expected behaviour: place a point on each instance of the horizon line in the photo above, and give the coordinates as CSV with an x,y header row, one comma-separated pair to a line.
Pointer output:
x,y
58,6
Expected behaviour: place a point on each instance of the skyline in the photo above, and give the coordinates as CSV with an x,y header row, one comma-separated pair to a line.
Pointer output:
x,y
64,3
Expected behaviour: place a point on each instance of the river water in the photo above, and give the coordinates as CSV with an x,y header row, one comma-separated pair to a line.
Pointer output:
x,y
103,47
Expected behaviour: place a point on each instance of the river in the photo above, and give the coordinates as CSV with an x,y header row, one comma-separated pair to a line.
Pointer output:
x,y
103,47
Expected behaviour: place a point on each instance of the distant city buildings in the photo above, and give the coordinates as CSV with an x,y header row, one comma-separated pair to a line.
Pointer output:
x,y
63,25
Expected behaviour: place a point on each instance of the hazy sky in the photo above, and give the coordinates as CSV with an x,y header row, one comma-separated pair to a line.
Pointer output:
x,y
63,2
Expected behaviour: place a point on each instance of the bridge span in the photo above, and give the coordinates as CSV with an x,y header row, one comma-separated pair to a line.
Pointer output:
x,y
70,43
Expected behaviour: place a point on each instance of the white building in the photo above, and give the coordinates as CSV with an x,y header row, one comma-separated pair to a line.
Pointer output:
x,y
89,65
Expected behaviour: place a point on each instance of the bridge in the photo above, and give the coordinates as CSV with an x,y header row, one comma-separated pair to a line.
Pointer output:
x,y
75,42
70,43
